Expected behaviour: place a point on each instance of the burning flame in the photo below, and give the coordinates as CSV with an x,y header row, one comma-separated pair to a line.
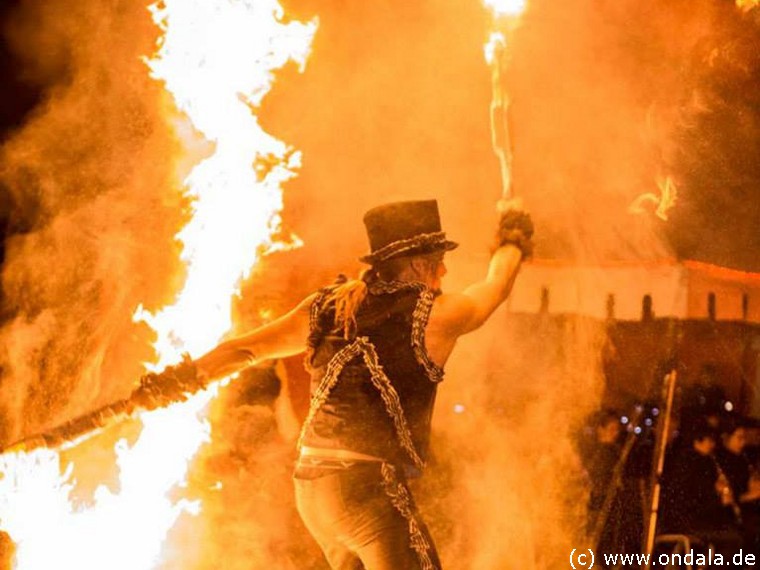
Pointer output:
x,y
217,58
747,5
506,7
123,530
496,44
663,203
506,16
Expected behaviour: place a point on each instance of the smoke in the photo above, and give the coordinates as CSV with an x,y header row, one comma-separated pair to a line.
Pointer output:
x,y
608,101
88,181
243,478
505,488
393,105
602,94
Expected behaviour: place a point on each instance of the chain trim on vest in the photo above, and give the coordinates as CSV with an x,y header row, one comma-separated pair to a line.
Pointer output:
x,y
330,379
401,499
361,345
390,287
316,307
391,400
420,318
419,323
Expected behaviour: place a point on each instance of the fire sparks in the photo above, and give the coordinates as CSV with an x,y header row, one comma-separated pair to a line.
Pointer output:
x,y
217,59
663,203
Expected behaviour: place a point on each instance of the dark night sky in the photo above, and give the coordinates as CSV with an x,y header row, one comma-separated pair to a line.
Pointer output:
x,y
17,98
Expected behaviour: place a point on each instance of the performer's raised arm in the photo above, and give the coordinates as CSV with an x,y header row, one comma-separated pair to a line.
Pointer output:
x,y
455,314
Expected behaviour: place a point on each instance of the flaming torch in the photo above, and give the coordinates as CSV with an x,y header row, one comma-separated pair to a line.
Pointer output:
x,y
217,58
505,19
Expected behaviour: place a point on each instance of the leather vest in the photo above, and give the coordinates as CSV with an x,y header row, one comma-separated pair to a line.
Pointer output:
x,y
374,392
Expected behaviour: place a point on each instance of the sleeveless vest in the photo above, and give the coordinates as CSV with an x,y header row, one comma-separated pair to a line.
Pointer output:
x,y
374,392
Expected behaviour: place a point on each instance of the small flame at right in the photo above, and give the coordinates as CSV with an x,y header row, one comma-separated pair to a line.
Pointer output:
x,y
747,5
662,203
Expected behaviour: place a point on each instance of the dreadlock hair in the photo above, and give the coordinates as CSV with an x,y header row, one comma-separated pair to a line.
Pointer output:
x,y
348,295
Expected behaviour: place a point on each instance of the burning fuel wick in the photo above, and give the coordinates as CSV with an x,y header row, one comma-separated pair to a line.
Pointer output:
x,y
506,18
497,57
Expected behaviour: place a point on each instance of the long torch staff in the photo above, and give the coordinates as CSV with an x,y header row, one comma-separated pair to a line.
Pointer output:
x,y
75,431
175,384
657,466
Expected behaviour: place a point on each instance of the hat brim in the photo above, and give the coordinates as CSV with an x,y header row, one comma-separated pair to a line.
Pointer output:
x,y
412,249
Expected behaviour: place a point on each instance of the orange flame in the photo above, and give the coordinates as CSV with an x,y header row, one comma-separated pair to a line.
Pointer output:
x,y
747,5
217,58
123,530
506,15
506,7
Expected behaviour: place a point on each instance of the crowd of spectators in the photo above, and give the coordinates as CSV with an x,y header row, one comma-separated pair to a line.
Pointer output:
x,y
709,488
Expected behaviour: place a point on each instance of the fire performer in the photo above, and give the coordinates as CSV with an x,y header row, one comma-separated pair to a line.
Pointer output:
x,y
376,350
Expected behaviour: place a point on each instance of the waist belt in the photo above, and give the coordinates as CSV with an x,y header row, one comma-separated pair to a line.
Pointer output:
x,y
313,463
337,454
308,461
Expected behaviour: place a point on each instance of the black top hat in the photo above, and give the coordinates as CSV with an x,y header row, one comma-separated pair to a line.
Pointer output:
x,y
404,228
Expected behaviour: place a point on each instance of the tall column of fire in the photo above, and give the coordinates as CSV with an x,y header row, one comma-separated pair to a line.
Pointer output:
x,y
217,59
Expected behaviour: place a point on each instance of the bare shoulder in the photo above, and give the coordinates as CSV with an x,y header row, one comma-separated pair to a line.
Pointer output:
x,y
449,319
452,313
